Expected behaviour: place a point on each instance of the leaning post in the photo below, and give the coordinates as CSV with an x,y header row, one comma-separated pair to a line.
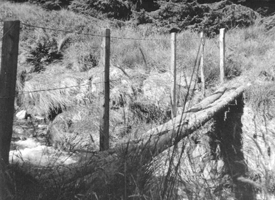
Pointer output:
x,y
104,121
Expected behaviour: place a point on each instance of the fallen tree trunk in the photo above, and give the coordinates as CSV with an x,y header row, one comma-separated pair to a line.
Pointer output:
x,y
164,136
155,140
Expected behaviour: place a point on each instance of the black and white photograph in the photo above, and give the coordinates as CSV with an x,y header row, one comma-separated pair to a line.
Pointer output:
x,y
137,100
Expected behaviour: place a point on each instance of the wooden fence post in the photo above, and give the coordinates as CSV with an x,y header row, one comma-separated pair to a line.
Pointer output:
x,y
9,57
201,64
174,75
222,54
104,121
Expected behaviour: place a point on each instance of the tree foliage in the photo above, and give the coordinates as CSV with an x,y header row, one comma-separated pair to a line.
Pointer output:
x,y
147,5
207,18
226,15
180,14
116,9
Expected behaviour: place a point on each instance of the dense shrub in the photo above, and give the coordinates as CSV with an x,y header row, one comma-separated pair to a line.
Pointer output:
x,y
111,9
179,15
228,15
141,17
198,17
43,52
264,7
138,5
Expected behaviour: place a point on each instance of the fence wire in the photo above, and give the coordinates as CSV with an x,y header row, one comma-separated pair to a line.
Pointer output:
x,y
140,50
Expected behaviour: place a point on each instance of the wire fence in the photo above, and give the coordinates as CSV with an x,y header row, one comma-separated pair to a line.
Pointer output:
x,y
144,51
32,27
185,41
145,54
88,34
102,36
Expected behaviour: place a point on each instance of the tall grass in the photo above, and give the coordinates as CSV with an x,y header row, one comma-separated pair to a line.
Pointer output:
x,y
259,145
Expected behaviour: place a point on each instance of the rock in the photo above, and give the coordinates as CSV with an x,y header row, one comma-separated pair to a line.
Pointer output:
x,y
209,171
23,138
42,126
23,143
21,114
72,130
39,118
78,129
40,155
18,130
220,166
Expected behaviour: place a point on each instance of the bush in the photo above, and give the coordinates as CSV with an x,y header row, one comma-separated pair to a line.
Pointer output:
x,y
43,52
115,9
141,17
139,5
82,56
179,15
198,17
226,15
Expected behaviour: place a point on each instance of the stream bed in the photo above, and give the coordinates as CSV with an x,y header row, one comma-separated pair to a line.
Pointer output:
x,y
29,146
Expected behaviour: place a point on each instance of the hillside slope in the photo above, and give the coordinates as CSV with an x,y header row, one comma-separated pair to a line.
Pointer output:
x,y
181,15
59,80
